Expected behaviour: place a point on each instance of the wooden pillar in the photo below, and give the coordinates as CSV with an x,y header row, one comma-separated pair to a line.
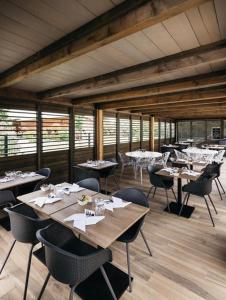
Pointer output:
x,y
71,142
151,133
141,132
39,137
99,134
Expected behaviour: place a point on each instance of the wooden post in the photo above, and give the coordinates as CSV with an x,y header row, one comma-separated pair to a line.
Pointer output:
x,y
39,137
99,135
151,133
141,132
71,141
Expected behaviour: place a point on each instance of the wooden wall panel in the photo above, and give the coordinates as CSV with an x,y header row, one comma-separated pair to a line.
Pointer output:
x,y
20,162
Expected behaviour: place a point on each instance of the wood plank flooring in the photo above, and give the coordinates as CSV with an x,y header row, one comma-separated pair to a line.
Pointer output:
x,y
188,263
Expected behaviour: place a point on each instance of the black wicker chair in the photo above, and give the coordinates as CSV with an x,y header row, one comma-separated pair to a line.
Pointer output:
x,y
138,197
24,225
157,181
90,184
44,172
202,187
70,260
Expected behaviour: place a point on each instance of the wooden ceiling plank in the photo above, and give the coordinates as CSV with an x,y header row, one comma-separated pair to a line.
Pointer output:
x,y
167,98
172,86
125,19
155,68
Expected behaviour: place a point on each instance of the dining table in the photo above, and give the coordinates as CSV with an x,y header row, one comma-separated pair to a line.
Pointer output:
x,y
98,165
24,178
142,155
179,174
103,234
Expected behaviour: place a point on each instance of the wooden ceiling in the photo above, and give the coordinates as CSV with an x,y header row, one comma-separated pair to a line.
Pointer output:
x,y
164,58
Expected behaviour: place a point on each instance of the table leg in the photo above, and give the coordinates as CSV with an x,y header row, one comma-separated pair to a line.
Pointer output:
x,y
176,206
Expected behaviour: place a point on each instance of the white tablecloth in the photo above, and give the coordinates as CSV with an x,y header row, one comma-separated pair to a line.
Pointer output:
x,y
145,154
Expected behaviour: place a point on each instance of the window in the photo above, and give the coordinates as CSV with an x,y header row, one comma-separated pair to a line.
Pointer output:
x,y
55,131
109,124
167,130
198,131
135,130
124,124
184,130
84,131
162,130
172,130
17,132
146,130
210,125
156,130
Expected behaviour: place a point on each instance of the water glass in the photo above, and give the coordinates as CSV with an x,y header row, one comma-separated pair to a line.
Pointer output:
x,y
99,207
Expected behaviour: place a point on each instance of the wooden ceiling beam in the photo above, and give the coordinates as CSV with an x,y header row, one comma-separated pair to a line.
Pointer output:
x,y
209,112
126,18
172,86
180,97
17,94
196,103
154,68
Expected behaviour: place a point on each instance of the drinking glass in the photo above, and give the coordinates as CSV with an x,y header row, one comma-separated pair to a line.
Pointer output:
x,y
99,207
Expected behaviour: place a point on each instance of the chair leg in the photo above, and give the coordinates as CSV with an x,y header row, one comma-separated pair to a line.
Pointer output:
x,y
149,192
221,185
154,192
212,204
174,194
128,264
167,200
218,189
28,272
43,287
207,205
145,241
116,182
108,282
185,197
71,297
7,257
122,171
106,185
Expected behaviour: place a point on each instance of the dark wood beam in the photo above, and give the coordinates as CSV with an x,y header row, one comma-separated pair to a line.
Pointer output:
x,y
16,94
161,66
197,104
172,86
204,94
198,114
125,19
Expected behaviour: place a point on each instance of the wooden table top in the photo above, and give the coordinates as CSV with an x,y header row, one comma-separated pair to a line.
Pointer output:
x,y
49,209
110,228
100,166
179,174
190,162
103,233
20,181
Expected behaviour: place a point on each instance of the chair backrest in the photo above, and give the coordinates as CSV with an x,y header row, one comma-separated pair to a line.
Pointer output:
x,y
80,173
132,195
24,223
180,155
63,265
44,172
165,157
155,180
137,197
6,197
122,158
218,158
90,184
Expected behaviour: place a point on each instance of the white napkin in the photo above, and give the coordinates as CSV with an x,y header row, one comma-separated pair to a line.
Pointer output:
x,y
167,170
75,188
80,221
191,173
3,180
31,174
41,201
115,203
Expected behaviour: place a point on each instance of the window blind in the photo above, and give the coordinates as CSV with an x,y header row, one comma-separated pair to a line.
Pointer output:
x,y
18,132
124,124
84,131
55,131
146,129
135,130
109,128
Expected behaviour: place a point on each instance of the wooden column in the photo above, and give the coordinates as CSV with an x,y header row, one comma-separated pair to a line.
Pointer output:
x,y
151,133
71,142
141,132
99,134
39,137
